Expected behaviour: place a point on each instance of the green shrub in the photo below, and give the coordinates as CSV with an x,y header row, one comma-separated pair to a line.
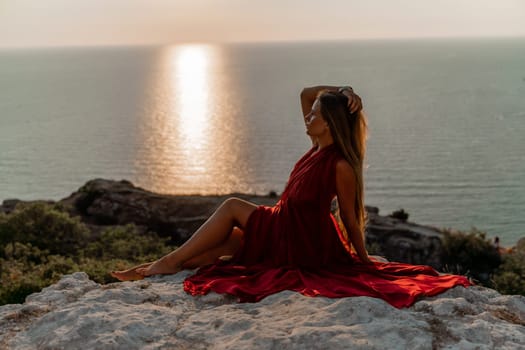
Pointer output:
x,y
21,274
16,293
24,252
471,254
509,278
40,243
118,248
124,242
45,227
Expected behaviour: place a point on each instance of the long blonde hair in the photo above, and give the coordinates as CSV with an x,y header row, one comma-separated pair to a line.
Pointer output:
x,y
349,131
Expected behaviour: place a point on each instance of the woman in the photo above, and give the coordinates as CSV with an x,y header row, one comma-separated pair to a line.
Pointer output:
x,y
253,251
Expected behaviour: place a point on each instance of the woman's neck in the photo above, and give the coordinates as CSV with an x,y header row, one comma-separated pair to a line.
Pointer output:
x,y
322,142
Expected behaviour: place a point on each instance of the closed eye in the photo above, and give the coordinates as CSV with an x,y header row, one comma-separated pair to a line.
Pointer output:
x,y
310,117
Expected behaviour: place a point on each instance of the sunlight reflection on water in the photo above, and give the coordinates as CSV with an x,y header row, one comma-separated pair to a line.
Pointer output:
x,y
184,128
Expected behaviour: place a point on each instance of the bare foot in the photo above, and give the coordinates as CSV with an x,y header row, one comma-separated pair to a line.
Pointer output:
x,y
130,274
159,267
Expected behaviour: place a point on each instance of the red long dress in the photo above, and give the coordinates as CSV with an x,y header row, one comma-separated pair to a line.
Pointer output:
x,y
297,245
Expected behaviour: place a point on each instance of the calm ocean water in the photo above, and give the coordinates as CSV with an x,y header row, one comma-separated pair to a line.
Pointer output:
x,y
446,122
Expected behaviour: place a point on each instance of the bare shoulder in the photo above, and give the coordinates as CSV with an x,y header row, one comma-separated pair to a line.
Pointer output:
x,y
344,171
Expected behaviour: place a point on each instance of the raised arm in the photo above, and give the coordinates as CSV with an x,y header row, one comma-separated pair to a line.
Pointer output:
x,y
346,196
309,94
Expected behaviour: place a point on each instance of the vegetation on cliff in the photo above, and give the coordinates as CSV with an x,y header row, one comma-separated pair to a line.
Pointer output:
x,y
40,242
471,254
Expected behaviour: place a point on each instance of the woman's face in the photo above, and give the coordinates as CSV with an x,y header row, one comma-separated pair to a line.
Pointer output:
x,y
315,123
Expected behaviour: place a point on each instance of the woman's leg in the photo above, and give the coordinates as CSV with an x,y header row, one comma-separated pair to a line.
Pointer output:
x,y
212,234
225,249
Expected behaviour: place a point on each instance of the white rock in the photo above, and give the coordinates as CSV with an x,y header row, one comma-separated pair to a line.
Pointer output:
x,y
77,313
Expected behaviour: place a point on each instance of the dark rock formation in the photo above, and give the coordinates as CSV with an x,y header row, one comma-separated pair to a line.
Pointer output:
x,y
403,241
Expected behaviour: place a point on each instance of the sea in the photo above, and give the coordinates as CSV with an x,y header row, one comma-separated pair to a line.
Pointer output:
x,y
446,121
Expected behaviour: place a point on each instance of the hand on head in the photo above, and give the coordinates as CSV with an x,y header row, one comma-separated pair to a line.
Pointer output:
x,y
355,104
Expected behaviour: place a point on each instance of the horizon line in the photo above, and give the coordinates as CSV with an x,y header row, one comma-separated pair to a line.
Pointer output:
x,y
270,41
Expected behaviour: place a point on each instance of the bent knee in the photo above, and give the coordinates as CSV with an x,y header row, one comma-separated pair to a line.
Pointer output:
x,y
231,201
239,209
235,203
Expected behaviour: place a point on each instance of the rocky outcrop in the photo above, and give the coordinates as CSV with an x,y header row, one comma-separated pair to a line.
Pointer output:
x,y
403,241
77,313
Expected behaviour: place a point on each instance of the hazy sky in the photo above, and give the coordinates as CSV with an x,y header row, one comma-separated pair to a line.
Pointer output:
x,y
124,22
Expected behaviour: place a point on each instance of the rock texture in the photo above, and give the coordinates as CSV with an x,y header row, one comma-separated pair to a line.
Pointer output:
x,y
77,313
101,202
403,241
